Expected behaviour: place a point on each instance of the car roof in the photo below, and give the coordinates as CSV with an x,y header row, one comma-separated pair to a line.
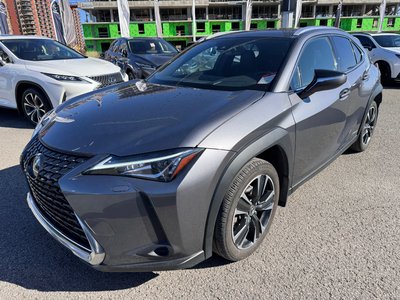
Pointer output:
x,y
22,37
288,33
378,34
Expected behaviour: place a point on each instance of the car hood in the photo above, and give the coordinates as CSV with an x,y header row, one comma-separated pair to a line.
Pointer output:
x,y
134,117
155,59
76,67
395,50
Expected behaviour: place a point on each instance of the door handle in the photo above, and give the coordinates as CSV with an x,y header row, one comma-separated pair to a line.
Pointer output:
x,y
344,94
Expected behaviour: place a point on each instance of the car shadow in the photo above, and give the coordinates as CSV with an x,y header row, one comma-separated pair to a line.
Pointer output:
x,y
394,84
33,260
13,119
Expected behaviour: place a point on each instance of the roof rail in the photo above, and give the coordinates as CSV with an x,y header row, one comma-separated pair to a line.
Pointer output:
x,y
312,28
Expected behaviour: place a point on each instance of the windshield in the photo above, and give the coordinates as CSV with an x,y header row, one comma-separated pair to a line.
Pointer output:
x,y
40,49
226,63
138,46
389,41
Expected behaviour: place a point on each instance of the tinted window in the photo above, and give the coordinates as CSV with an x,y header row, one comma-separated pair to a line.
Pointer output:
x,y
227,64
115,46
344,53
388,40
141,46
365,41
316,55
40,49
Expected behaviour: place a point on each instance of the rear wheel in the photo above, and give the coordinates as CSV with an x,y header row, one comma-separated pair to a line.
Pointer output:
x,y
386,75
367,130
34,105
247,211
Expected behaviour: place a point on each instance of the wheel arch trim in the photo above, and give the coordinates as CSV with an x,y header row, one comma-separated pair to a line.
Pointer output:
x,y
34,84
276,137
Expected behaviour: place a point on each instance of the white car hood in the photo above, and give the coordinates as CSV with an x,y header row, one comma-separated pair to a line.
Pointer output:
x,y
76,67
393,49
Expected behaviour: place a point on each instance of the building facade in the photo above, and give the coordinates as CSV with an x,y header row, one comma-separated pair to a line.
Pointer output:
x,y
101,25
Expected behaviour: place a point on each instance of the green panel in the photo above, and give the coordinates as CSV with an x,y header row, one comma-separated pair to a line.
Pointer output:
x,y
348,24
308,22
396,24
113,30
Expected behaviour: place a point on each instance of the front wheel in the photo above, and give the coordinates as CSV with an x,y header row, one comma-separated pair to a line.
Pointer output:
x,y
34,105
368,127
247,211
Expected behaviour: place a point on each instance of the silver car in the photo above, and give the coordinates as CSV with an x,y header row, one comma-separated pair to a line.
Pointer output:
x,y
159,174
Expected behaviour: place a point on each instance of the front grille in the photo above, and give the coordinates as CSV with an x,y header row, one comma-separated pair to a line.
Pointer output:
x,y
109,79
46,191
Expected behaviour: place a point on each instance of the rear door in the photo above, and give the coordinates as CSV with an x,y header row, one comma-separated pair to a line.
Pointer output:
x,y
351,61
320,118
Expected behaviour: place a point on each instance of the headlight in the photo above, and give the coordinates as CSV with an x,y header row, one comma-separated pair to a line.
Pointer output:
x,y
145,66
43,121
63,77
161,166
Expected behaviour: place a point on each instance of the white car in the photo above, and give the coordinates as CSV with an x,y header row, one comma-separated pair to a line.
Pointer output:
x,y
38,73
384,49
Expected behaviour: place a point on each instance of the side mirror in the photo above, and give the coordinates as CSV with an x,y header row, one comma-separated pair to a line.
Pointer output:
x,y
323,80
368,47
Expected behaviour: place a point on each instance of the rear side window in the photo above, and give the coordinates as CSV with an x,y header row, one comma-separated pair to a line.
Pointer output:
x,y
115,46
357,53
316,55
344,53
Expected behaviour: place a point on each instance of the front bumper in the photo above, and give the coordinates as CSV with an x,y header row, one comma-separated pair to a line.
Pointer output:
x,y
139,225
93,256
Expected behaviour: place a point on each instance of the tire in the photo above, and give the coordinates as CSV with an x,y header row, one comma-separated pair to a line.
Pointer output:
x,y
130,75
386,75
34,104
368,126
241,227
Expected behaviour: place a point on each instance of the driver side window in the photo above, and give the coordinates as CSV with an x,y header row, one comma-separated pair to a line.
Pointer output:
x,y
316,55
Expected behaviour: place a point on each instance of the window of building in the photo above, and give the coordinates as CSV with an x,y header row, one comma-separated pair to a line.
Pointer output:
x,y
344,53
104,46
270,24
390,22
307,11
103,32
375,23
235,25
216,28
322,11
303,24
253,26
372,10
352,10
200,13
201,27
323,22
264,12
225,13
359,23
103,16
173,14
180,30
317,55
141,28
115,15
141,15
390,10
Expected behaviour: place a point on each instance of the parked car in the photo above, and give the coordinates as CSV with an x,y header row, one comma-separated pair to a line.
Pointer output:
x,y
37,74
140,57
384,49
169,169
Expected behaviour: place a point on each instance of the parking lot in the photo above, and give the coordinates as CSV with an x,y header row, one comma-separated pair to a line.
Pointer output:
x,y
338,238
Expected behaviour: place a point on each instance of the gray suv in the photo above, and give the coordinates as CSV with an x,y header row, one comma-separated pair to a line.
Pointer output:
x,y
161,173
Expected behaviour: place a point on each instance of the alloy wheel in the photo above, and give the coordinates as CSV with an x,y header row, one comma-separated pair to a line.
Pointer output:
x,y
369,125
253,211
34,107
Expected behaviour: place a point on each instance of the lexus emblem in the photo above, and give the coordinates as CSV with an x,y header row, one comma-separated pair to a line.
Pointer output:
x,y
35,166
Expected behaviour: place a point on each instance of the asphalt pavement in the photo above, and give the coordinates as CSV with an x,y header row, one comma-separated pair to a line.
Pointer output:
x,y
338,237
